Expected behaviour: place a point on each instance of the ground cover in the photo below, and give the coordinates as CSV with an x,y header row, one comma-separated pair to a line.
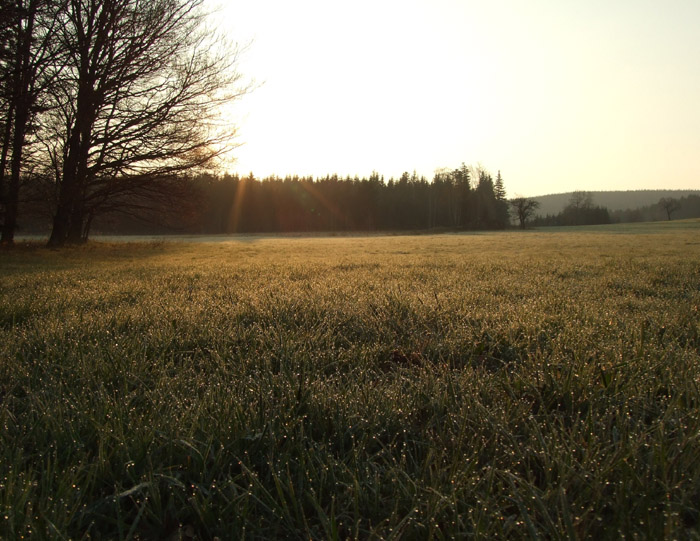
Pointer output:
x,y
520,384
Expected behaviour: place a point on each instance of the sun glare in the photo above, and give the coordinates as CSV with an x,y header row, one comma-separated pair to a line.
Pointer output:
x,y
402,86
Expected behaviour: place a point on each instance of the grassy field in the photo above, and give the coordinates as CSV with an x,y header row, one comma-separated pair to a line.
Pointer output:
x,y
522,385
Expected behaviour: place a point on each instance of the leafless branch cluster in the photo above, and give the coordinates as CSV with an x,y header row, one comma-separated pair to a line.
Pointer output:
x,y
124,101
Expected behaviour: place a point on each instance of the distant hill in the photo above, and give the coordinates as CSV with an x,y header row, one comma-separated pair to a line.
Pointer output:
x,y
614,200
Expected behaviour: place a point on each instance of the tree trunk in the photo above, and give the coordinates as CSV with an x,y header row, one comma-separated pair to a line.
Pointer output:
x,y
22,101
67,196
59,231
6,142
76,233
12,199
67,192
68,221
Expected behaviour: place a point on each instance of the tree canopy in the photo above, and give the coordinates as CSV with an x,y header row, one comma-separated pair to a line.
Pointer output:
x,y
233,204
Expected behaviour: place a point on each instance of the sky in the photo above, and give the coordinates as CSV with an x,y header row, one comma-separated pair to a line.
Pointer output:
x,y
557,95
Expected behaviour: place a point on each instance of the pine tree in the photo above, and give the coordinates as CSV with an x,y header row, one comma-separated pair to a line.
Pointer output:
x,y
498,188
502,215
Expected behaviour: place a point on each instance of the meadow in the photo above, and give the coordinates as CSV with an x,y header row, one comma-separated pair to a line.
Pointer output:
x,y
522,385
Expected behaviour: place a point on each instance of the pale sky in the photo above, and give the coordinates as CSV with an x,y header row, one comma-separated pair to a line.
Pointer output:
x,y
558,95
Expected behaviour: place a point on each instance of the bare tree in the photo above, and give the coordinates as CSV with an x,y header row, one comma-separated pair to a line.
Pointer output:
x,y
8,27
524,208
579,208
30,69
580,200
669,205
139,107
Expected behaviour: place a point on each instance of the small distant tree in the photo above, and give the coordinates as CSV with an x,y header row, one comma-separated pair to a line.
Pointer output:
x,y
576,211
669,205
580,200
498,188
523,208
501,201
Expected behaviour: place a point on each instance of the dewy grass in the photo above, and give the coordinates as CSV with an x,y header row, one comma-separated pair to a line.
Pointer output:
x,y
522,385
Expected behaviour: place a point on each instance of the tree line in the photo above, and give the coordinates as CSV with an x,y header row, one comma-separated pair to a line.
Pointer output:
x,y
581,211
667,208
463,198
106,106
